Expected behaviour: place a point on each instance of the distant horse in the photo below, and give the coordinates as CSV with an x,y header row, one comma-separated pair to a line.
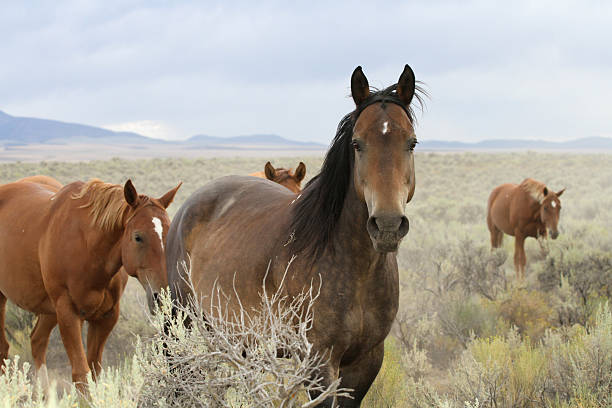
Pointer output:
x,y
344,228
285,177
529,209
61,249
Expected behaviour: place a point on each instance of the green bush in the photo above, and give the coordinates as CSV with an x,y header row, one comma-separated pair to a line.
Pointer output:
x,y
587,274
528,310
581,364
570,367
499,371
463,318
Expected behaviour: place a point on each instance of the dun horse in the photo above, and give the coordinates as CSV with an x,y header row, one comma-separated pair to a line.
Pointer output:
x,y
285,177
61,250
344,228
529,209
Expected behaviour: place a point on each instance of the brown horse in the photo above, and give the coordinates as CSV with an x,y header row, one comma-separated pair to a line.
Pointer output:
x,y
61,250
344,228
529,209
285,177
50,182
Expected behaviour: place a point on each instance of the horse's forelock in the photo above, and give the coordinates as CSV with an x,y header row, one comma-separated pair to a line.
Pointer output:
x,y
534,188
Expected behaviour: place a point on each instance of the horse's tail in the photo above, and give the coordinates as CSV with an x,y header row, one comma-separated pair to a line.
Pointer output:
x,y
497,236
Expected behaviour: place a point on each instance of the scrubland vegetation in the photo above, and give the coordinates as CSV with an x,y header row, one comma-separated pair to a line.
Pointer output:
x,y
467,334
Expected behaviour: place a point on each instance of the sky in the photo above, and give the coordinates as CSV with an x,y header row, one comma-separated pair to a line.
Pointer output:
x,y
173,69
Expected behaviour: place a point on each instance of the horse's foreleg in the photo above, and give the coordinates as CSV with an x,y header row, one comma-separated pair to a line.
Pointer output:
x,y
97,334
4,345
329,374
70,326
39,340
519,256
360,375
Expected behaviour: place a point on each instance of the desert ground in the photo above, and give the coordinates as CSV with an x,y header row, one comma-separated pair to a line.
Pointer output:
x,y
468,334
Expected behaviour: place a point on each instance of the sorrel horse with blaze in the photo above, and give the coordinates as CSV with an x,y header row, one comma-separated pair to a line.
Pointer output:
x,y
529,209
285,177
61,255
344,228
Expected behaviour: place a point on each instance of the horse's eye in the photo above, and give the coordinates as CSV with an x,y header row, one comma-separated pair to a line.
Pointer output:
x,y
412,144
356,145
137,238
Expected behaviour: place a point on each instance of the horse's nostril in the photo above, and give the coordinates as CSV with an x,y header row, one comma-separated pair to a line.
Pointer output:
x,y
404,226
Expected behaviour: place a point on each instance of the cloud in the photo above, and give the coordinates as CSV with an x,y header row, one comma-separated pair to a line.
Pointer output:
x,y
150,128
493,69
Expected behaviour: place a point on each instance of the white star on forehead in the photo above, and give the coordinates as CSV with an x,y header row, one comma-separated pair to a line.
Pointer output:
x,y
385,128
157,224
554,204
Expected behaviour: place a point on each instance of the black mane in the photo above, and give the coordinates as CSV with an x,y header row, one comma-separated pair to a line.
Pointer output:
x,y
318,209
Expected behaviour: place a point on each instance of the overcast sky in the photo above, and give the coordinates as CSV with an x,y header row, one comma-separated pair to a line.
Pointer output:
x,y
171,69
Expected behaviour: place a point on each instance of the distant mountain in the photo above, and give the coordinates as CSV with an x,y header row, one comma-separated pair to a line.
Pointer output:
x,y
16,131
20,131
583,144
250,140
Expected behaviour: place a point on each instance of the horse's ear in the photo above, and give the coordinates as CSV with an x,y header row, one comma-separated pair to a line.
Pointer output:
x,y
545,191
406,85
270,171
360,88
167,198
300,172
560,192
130,194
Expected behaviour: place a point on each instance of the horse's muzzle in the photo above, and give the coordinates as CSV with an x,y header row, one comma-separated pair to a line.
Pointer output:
x,y
386,232
554,234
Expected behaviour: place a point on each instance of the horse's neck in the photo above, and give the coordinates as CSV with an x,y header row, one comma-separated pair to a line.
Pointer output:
x,y
106,246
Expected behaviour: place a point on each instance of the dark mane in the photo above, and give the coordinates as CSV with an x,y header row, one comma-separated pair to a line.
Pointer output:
x,y
317,210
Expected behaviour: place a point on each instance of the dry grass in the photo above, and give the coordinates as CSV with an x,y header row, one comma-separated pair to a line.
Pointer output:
x,y
455,294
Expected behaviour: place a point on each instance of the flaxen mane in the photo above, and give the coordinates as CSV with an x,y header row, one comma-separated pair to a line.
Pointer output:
x,y
534,188
107,204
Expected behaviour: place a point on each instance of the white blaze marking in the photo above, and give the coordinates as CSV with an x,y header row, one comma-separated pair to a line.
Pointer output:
x,y
157,224
553,204
385,127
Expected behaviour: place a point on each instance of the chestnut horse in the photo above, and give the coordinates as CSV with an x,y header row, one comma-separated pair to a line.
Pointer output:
x,y
61,251
344,228
529,209
285,177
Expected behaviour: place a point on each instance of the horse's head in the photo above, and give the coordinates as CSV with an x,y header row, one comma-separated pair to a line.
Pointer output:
x,y
383,142
286,177
550,209
142,246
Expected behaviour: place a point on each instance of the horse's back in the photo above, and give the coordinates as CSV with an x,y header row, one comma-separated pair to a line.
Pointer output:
x,y
240,215
226,197
46,181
